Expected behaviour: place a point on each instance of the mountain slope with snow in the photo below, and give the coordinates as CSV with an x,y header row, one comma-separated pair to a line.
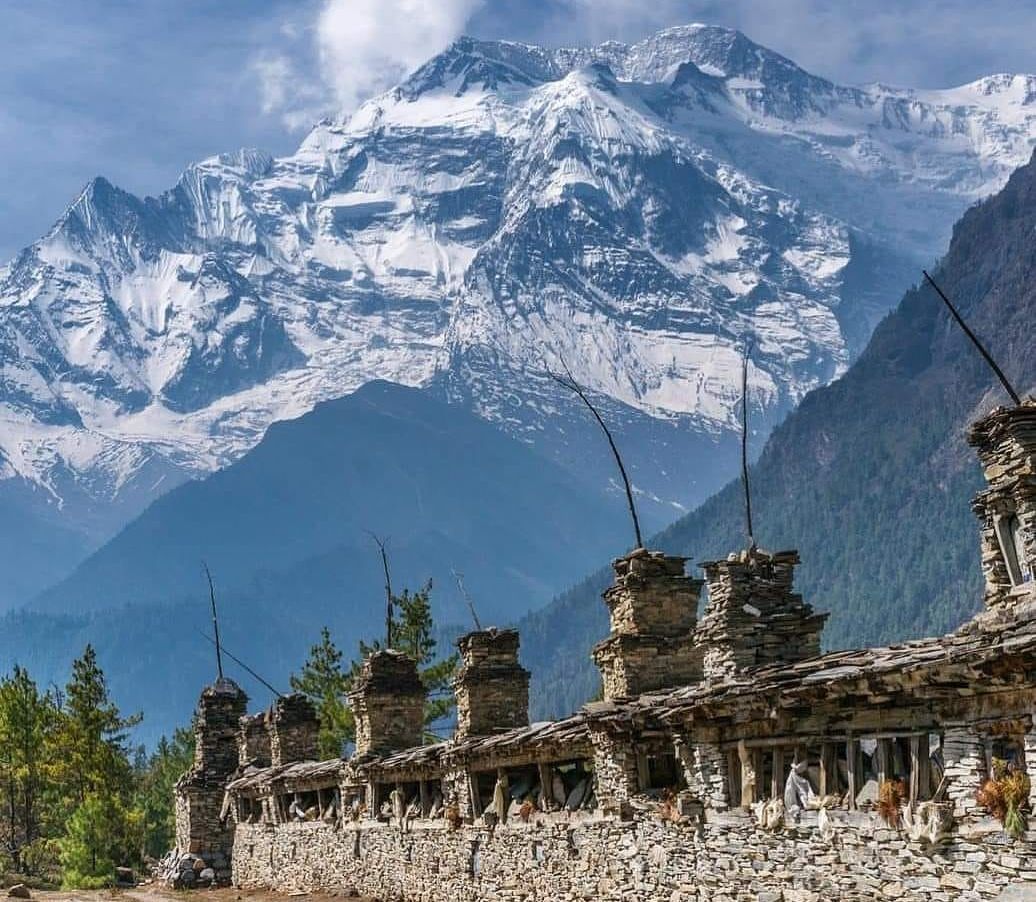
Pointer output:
x,y
639,211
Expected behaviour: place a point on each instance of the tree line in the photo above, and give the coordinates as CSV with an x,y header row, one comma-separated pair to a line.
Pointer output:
x,y
76,799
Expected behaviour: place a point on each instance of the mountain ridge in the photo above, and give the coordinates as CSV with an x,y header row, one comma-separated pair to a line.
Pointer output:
x,y
635,208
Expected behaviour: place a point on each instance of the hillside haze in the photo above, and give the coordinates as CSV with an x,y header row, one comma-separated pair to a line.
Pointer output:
x,y
871,477
639,210
294,515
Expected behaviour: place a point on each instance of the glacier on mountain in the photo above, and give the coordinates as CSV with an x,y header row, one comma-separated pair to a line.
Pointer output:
x,y
637,210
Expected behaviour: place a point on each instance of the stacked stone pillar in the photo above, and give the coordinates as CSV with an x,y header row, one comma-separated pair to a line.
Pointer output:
x,y
653,607
388,704
964,762
492,688
293,727
253,741
1006,445
202,829
753,618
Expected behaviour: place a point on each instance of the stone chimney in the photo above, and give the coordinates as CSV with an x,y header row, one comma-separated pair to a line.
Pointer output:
x,y
753,618
388,704
1006,509
199,792
293,726
492,687
654,608
253,741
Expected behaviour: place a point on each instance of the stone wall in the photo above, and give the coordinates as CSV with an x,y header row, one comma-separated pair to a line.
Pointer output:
x,y
855,858
253,741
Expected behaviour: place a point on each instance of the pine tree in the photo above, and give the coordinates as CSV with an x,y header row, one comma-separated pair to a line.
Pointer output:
x,y
156,775
412,634
27,717
325,683
94,771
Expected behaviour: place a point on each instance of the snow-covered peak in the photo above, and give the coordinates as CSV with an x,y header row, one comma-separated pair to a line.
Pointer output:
x,y
640,209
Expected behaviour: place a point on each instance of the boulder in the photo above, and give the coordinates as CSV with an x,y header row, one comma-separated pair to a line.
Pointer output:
x,y
125,877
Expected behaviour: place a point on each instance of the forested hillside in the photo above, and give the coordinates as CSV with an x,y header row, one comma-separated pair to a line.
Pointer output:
x,y
870,478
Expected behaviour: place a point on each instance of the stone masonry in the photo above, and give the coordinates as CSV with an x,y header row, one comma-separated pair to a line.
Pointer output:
x,y
388,704
753,618
1006,445
292,726
201,826
492,688
653,608
253,741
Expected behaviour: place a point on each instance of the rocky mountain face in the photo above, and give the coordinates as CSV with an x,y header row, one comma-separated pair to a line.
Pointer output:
x,y
636,211
870,477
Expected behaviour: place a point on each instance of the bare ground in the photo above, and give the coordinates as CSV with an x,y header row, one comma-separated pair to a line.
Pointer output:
x,y
154,892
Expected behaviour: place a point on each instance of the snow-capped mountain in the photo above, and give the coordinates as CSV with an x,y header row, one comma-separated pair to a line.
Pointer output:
x,y
637,211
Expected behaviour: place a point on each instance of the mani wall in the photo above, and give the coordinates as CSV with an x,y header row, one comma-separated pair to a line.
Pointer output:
x,y
727,760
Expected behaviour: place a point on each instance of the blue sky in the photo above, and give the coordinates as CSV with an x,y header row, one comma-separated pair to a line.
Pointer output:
x,y
135,90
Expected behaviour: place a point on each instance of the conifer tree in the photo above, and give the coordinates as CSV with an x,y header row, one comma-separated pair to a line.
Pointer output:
x,y
325,683
412,634
156,776
27,717
93,768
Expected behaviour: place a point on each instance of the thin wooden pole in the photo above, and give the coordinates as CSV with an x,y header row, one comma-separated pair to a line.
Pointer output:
x,y
974,340
215,620
570,383
744,444
388,587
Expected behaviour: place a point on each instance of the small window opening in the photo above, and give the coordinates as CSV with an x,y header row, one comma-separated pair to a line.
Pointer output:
x,y
1009,537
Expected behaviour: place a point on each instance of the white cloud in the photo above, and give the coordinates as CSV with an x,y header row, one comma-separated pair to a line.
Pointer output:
x,y
368,45
338,53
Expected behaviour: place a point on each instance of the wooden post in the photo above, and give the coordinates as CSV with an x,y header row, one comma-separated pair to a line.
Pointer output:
x,y
920,769
776,779
476,802
734,779
546,785
822,789
882,755
426,798
852,761
643,771
374,809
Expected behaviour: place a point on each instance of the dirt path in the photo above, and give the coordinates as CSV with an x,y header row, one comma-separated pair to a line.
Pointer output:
x,y
154,892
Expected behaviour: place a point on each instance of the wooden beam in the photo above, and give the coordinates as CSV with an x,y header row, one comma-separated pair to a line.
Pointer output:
x,y
734,779
915,770
476,802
